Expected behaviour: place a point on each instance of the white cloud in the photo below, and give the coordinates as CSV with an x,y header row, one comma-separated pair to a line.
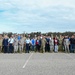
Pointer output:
x,y
30,13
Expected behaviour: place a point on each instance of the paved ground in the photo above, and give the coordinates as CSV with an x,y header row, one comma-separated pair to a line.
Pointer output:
x,y
37,64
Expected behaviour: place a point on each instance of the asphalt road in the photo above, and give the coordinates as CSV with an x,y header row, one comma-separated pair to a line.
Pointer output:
x,y
37,64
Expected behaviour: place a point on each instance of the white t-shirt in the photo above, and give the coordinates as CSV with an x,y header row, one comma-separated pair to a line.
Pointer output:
x,y
28,41
11,40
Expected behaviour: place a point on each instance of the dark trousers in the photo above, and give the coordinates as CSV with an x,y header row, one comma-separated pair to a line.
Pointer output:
x,y
47,48
38,47
72,47
10,48
27,48
5,49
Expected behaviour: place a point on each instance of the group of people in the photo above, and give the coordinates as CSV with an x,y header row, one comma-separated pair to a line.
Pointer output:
x,y
69,44
19,43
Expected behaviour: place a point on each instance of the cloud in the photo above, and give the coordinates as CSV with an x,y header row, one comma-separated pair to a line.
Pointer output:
x,y
37,15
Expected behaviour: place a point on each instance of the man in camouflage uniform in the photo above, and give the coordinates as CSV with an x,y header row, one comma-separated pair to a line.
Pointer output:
x,y
43,42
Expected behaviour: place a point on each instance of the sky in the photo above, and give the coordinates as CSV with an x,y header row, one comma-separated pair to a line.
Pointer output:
x,y
37,16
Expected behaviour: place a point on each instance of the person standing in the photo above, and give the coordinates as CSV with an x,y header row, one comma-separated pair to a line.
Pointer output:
x,y
38,44
28,42
47,47
21,44
5,44
66,44
72,44
33,44
56,43
15,44
11,44
43,42
51,45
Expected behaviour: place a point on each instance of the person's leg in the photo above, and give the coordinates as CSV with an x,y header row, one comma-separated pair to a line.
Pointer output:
x,y
38,48
57,48
22,47
11,48
32,47
51,48
48,48
71,47
65,49
5,49
68,49
19,48
74,48
28,48
14,49
43,49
